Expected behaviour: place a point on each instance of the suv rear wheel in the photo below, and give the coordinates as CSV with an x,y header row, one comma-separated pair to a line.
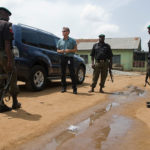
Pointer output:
x,y
80,75
37,79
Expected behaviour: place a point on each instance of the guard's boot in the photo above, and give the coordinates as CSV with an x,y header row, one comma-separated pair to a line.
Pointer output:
x,y
91,90
4,108
75,91
63,89
101,90
16,104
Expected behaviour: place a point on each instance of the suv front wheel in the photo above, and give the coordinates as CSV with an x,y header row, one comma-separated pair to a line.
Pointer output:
x,y
37,79
80,75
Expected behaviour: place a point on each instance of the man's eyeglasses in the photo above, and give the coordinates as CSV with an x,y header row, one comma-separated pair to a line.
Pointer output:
x,y
64,31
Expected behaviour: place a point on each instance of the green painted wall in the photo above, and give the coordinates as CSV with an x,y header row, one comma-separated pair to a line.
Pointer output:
x,y
85,53
126,58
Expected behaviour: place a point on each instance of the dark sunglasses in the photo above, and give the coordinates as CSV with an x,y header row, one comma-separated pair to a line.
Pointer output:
x,y
64,31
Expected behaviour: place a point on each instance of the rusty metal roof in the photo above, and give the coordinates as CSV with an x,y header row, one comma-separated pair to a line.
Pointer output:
x,y
133,43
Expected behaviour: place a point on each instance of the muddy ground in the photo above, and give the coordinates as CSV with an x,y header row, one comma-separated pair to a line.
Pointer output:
x,y
51,120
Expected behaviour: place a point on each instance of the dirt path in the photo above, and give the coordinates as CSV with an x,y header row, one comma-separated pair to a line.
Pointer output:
x,y
43,112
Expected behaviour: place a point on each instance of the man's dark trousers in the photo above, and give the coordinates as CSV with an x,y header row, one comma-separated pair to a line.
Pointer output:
x,y
65,60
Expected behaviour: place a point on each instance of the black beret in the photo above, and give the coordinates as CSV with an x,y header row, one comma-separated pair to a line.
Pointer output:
x,y
102,35
5,9
148,27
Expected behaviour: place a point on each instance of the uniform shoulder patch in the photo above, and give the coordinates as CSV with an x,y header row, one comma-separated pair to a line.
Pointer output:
x,y
10,29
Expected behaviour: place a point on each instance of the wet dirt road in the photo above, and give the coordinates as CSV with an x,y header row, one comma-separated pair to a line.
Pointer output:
x,y
120,121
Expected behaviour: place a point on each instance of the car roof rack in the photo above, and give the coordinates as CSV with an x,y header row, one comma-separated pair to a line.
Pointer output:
x,y
23,25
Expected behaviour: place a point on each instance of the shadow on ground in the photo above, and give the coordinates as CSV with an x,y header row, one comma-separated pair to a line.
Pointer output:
x,y
22,114
51,88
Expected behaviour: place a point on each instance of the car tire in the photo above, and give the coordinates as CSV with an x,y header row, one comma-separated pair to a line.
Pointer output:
x,y
37,79
80,75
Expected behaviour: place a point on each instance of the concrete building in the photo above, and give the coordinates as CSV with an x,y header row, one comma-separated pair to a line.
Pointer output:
x,y
127,52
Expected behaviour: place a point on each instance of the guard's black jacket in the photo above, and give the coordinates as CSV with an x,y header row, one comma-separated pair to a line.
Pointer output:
x,y
101,51
5,33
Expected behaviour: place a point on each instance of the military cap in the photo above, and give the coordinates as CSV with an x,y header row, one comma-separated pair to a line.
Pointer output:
x,y
102,35
6,10
148,27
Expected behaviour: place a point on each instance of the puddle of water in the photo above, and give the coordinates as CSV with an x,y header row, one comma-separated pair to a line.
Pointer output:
x,y
118,129
115,104
119,126
109,135
111,105
74,130
108,108
97,114
82,126
131,94
102,137
131,90
138,92
59,140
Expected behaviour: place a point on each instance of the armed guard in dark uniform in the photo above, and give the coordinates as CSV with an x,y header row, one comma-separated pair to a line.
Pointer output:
x,y
7,63
101,60
148,61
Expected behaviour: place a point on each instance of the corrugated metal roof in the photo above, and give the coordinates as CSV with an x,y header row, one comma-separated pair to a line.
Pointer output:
x,y
115,43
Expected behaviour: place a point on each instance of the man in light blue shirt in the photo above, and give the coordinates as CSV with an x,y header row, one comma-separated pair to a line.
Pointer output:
x,y
67,47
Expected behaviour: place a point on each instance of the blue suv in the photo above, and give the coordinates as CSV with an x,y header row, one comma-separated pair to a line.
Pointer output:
x,y
36,57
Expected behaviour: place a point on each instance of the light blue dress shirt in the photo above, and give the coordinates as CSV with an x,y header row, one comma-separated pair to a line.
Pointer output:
x,y
63,44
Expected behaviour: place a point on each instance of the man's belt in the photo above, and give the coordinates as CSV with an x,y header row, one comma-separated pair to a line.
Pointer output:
x,y
101,61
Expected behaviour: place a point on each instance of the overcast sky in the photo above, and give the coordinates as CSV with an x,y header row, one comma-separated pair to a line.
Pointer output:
x,y
85,18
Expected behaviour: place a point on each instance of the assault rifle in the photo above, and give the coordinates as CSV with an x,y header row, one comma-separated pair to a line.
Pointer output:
x,y
111,75
5,89
110,72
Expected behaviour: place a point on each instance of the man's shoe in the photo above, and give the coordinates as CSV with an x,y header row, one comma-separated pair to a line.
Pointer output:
x,y
4,108
63,90
92,90
101,90
74,91
16,106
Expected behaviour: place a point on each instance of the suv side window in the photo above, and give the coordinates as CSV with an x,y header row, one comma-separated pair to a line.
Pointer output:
x,y
29,37
46,41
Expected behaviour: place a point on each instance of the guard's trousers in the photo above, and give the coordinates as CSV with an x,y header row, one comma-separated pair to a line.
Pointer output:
x,y
101,68
13,88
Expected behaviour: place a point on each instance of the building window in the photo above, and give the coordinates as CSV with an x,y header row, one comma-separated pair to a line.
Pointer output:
x,y
85,57
139,56
139,60
116,59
